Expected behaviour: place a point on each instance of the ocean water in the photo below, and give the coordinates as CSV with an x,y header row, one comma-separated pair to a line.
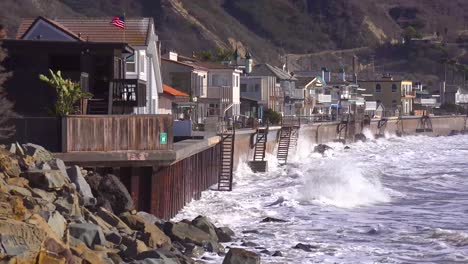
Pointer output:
x,y
391,200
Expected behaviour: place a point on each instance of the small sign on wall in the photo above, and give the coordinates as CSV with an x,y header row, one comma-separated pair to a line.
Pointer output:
x,y
163,138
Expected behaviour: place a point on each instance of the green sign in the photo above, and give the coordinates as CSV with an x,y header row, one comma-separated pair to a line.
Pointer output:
x,y
163,138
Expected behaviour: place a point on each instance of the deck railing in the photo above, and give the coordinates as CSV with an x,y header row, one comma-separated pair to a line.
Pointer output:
x,y
116,133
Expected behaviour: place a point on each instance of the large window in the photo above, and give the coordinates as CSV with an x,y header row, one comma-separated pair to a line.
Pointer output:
x,y
378,88
394,88
130,63
257,87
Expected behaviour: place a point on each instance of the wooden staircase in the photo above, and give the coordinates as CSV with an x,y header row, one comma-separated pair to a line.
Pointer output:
x,y
259,164
284,144
226,161
260,144
381,126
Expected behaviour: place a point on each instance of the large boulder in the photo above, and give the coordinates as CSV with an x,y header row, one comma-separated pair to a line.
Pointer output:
x,y
321,148
224,234
241,256
150,234
18,238
203,223
132,247
45,179
57,223
110,193
8,164
39,153
75,176
187,233
113,220
68,204
89,234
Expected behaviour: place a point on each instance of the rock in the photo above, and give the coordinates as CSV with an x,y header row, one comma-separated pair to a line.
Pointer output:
x,y
114,238
75,176
133,247
347,147
203,223
110,193
53,251
360,137
57,223
265,251
241,256
48,196
224,234
277,254
45,179
39,153
193,250
152,219
18,181
8,164
93,218
68,204
18,209
453,133
12,245
90,234
113,220
184,232
58,164
272,219
88,255
305,247
150,234
215,247
250,232
167,256
20,191
17,235
249,244
321,148
41,223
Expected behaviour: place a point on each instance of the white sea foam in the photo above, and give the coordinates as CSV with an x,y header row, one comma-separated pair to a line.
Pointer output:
x,y
343,184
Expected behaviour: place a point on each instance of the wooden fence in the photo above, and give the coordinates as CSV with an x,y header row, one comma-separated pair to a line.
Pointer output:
x,y
116,132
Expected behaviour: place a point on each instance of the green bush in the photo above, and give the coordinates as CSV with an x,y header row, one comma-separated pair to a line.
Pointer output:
x,y
271,117
68,93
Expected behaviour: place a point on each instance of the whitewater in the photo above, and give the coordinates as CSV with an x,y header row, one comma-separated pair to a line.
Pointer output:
x,y
391,200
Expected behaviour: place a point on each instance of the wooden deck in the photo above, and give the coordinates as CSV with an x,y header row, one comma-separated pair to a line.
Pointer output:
x,y
81,133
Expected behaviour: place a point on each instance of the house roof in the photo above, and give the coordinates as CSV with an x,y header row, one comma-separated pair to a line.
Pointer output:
x,y
136,30
172,91
279,73
187,64
304,81
213,66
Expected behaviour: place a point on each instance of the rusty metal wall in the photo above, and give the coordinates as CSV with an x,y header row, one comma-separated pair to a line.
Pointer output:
x,y
174,186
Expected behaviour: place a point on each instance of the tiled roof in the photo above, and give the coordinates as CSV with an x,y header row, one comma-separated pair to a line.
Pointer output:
x,y
172,91
100,29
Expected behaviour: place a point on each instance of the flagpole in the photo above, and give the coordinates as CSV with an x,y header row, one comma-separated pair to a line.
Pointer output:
x,y
125,26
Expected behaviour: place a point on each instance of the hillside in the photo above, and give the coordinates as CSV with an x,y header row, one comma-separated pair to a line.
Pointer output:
x,y
310,30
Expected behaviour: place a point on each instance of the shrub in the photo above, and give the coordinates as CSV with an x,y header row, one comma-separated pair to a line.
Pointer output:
x,y
68,93
6,107
271,117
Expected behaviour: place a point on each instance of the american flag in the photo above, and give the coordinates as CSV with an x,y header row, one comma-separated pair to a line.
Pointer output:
x,y
118,22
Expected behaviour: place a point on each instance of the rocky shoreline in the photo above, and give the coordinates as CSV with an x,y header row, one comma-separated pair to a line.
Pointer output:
x,y
51,213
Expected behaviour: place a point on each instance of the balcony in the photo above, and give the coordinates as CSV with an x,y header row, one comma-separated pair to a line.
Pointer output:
x,y
324,98
294,94
224,93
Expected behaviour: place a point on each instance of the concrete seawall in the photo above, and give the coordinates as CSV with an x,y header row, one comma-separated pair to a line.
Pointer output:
x,y
319,133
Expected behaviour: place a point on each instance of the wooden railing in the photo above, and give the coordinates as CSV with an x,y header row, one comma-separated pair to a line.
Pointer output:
x,y
116,133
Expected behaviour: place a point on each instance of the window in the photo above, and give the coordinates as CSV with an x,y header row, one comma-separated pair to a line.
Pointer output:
x,y
257,87
243,87
142,63
237,81
394,88
130,63
378,88
394,104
